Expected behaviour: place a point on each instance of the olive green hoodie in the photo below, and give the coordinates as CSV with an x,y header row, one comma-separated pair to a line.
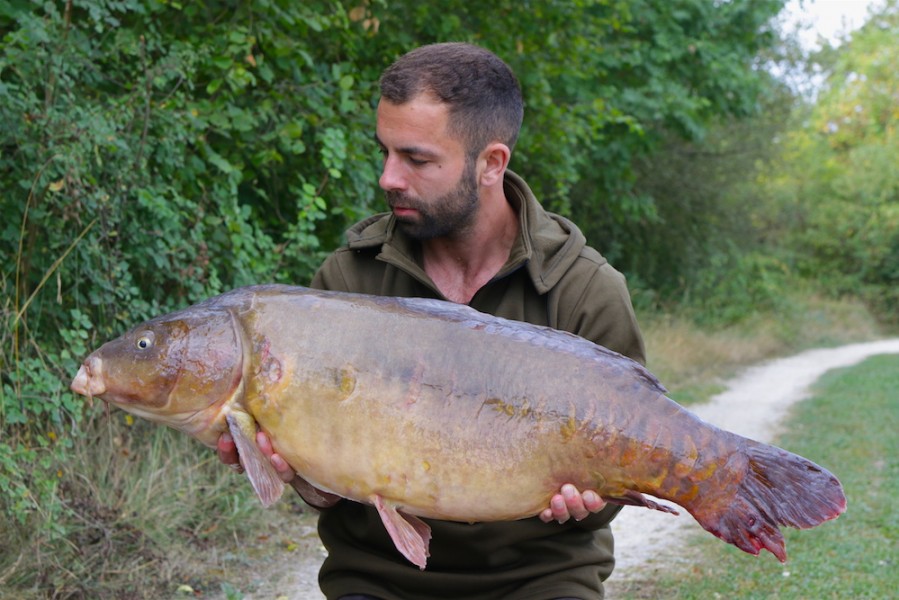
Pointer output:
x,y
552,278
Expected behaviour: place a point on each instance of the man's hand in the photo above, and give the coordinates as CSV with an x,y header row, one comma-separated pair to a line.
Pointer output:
x,y
570,503
227,453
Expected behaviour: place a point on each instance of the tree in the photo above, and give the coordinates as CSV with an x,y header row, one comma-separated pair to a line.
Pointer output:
x,y
838,195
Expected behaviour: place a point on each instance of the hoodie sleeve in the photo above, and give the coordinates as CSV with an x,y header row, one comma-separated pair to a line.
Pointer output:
x,y
593,302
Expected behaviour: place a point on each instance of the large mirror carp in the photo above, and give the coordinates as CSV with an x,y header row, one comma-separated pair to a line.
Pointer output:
x,y
431,409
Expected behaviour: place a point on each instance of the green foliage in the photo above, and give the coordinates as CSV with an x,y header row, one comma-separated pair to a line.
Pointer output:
x,y
612,92
835,199
737,285
676,70
698,200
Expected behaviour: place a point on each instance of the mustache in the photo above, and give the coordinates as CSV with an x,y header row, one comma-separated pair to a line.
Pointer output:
x,y
401,199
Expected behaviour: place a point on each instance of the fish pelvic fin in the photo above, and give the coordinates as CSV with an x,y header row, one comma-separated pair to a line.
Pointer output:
x,y
410,535
263,477
777,488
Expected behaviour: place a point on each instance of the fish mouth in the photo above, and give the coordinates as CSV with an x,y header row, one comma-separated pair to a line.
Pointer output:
x,y
88,381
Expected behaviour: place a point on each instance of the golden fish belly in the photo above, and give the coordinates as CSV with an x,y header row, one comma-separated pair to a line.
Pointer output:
x,y
423,455
481,432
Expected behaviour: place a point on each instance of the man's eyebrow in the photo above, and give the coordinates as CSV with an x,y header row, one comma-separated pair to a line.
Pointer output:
x,y
410,150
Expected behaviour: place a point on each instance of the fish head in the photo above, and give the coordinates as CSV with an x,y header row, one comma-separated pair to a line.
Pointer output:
x,y
179,370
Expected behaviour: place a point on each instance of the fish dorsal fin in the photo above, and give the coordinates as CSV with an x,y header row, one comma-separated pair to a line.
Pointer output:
x,y
262,474
410,535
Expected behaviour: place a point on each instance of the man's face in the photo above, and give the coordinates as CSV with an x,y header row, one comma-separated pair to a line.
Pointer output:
x,y
430,184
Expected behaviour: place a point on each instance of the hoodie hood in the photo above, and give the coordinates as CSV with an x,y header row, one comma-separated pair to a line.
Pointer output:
x,y
547,244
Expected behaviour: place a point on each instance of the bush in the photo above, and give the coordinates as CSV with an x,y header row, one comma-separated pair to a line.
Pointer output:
x,y
153,154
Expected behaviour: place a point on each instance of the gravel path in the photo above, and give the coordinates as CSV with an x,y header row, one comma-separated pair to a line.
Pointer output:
x,y
754,405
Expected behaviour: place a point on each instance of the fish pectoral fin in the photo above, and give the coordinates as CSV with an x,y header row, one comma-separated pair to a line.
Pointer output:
x,y
410,535
263,477
632,498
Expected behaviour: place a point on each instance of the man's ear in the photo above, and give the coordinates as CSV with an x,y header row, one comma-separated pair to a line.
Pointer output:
x,y
494,158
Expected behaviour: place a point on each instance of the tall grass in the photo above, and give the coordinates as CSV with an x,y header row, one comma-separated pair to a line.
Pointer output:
x,y
693,362
850,426
137,504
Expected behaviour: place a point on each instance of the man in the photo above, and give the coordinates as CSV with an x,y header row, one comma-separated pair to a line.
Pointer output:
x,y
464,228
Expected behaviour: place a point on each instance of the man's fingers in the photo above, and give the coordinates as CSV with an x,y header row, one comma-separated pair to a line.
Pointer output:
x,y
226,449
574,502
593,502
571,504
227,452
559,509
264,443
285,471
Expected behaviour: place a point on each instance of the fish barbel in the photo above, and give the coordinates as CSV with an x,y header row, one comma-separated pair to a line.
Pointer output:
x,y
431,409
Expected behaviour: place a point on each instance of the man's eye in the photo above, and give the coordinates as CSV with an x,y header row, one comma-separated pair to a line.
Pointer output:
x,y
418,162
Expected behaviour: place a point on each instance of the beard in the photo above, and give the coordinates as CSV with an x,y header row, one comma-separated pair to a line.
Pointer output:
x,y
447,215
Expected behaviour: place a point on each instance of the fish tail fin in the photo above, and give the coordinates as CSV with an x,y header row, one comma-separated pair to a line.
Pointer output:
x,y
776,488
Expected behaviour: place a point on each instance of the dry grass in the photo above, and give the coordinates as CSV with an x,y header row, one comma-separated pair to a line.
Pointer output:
x,y
693,363
136,504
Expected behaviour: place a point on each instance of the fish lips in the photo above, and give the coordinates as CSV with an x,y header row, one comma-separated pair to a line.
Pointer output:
x,y
86,382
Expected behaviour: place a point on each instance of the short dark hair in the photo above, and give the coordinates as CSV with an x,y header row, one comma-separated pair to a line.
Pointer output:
x,y
482,92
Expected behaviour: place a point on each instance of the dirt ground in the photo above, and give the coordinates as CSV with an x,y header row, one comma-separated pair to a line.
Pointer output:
x,y
754,405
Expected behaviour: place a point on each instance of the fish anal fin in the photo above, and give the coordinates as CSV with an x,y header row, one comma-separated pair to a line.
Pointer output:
x,y
263,477
632,498
410,535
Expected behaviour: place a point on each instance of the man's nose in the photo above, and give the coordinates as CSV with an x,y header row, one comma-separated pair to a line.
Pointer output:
x,y
392,176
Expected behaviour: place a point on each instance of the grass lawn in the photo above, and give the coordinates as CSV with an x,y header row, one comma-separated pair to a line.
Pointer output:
x,y
850,426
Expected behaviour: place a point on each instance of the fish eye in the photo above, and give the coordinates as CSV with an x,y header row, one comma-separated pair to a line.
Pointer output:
x,y
145,340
